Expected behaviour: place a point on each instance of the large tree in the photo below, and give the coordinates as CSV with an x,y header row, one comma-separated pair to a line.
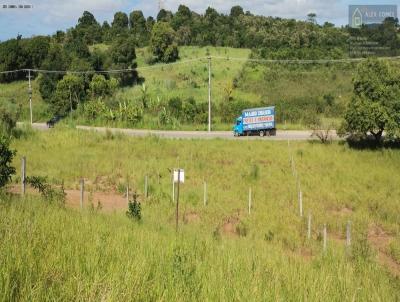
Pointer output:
x,y
89,29
56,60
138,27
162,43
36,50
375,106
69,92
123,56
120,25
183,17
12,57
164,16
6,158
120,20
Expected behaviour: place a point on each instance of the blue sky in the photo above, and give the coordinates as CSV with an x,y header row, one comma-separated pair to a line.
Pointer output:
x,y
47,16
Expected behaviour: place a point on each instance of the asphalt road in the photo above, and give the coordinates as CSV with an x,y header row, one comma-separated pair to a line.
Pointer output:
x,y
281,135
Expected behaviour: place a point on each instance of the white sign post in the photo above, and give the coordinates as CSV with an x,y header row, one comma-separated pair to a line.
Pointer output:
x,y
179,177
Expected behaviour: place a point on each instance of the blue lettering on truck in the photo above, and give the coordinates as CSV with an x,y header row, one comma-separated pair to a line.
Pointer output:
x,y
255,120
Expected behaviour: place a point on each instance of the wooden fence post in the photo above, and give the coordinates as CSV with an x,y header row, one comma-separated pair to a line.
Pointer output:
x,y
146,189
205,194
348,234
250,201
23,175
301,203
173,187
309,227
127,194
82,183
177,201
324,237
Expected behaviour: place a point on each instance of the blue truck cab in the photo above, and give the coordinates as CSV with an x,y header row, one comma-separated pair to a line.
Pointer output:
x,y
256,121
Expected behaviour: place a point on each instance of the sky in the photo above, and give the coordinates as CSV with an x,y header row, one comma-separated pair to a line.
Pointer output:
x,y
48,16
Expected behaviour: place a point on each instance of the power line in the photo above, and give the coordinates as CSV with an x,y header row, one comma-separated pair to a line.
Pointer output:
x,y
116,71
171,64
12,71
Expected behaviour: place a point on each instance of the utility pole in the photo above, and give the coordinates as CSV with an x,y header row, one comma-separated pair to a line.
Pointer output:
x,y
70,99
30,95
209,94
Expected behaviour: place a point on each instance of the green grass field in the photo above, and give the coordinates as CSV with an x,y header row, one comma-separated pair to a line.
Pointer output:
x,y
221,252
17,93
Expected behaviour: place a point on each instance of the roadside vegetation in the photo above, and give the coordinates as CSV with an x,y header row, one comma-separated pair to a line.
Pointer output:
x,y
175,97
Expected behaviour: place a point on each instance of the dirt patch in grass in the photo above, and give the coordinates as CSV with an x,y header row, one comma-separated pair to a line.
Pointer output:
x,y
229,227
380,241
17,190
303,253
191,217
107,201
337,238
342,212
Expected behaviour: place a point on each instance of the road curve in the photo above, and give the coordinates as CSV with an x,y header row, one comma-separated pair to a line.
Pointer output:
x,y
300,135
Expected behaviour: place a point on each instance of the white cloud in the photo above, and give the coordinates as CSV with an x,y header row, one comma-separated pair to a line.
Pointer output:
x,y
57,11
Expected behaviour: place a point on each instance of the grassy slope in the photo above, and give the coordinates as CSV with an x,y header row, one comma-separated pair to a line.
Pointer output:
x,y
191,79
277,84
17,92
121,259
164,82
257,83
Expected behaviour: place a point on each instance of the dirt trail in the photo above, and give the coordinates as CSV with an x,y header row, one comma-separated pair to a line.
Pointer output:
x,y
380,241
108,201
191,217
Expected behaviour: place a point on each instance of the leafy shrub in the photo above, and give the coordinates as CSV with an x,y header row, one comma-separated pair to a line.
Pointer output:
x,y
164,118
95,109
134,209
229,111
254,172
48,192
175,107
9,114
6,157
70,91
269,236
100,87
242,229
130,112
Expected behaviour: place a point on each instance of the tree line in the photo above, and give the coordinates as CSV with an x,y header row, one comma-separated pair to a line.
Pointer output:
x,y
270,37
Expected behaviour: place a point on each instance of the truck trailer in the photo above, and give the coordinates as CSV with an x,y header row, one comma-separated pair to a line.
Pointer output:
x,y
256,121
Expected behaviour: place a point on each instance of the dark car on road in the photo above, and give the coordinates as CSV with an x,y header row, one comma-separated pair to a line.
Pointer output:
x,y
54,120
